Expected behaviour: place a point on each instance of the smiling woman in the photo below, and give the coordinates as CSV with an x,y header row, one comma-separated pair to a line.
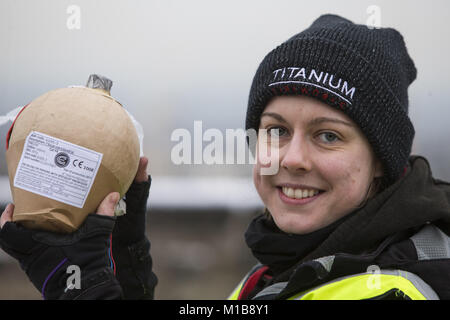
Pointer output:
x,y
348,197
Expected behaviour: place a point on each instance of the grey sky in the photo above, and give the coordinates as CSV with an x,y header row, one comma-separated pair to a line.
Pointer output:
x,y
173,62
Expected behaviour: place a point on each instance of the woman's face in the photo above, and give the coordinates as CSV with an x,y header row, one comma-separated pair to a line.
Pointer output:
x,y
326,165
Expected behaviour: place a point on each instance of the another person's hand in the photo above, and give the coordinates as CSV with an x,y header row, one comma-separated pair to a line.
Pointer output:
x,y
66,266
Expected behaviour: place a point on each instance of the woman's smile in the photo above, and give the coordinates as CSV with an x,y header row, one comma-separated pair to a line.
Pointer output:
x,y
298,196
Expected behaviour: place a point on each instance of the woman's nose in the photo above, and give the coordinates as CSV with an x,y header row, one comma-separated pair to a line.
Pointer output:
x,y
295,156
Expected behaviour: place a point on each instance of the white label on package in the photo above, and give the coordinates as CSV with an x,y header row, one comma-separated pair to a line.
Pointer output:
x,y
57,169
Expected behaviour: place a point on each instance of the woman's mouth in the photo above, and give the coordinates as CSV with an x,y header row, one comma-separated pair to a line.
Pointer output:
x,y
298,195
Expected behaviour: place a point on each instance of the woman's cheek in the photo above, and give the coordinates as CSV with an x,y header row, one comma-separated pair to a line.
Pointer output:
x,y
257,180
334,169
263,185
256,176
348,179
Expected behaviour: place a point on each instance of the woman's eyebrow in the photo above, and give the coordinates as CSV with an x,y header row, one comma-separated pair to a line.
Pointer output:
x,y
315,121
320,120
273,115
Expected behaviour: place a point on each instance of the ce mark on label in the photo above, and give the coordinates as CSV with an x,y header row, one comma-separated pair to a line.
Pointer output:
x,y
78,163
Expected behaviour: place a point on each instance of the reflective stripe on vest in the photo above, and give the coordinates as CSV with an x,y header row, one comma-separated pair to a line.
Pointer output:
x,y
356,287
431,243
235,294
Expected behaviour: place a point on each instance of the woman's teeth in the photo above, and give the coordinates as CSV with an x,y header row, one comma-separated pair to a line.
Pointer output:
x,y
299,193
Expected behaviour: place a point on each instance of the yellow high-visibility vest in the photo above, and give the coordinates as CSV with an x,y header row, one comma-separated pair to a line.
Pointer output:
x,y
385,284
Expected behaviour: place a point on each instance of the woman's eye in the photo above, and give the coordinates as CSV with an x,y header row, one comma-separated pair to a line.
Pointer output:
x,y
328,137
277,132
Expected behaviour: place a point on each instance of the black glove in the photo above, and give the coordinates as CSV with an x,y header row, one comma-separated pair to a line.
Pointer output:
x,y
46,257
131,248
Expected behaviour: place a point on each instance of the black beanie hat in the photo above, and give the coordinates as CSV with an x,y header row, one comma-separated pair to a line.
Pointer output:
x,y
363,72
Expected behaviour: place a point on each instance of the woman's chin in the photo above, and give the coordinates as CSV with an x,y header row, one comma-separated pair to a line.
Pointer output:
x,y
295,223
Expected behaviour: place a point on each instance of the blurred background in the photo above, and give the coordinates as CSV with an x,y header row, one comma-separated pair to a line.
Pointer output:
x,y
176,62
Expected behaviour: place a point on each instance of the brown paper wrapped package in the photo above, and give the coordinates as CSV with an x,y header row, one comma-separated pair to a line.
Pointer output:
x,y
89,118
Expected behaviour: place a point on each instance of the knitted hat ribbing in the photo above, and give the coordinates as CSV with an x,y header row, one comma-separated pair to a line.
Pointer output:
x,y
361,71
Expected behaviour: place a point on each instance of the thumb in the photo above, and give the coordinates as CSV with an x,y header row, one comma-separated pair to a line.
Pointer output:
x,y
7,214
107,206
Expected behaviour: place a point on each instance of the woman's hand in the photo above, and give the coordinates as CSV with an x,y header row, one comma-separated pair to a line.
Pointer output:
x,y
48,257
